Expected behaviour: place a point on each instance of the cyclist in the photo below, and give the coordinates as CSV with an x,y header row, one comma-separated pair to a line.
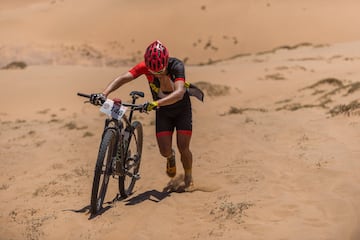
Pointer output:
x,y
170,92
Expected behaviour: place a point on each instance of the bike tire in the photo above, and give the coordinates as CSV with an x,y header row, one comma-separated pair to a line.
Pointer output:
x,y
102,171
132,161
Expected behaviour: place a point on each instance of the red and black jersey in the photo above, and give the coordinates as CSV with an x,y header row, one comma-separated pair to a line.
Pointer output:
x,y
175,71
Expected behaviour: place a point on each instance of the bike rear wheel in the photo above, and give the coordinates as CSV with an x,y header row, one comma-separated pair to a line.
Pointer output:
x,y
132,161
103,170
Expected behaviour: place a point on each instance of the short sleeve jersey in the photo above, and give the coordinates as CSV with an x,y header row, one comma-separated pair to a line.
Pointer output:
x,y
175,71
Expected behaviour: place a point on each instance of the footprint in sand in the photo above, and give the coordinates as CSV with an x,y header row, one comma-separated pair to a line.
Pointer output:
x,y
177,185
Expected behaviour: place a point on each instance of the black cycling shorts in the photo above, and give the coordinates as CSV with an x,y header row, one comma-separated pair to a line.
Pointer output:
x,y
177,115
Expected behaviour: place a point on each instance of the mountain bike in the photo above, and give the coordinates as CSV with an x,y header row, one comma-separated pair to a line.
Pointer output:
x,y
120,150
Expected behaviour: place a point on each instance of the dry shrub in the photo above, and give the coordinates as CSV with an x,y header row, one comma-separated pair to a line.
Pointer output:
x,y
297,106
286,47
235,110
4,186
70,125
213,90
275,76
229,210
346,109
45,111
353,87
88,134
328,81
15,65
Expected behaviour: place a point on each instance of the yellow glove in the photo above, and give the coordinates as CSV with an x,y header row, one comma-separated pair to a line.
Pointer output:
x,y
148,106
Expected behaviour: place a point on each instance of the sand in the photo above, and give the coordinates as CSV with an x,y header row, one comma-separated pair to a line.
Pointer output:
x,y
275,142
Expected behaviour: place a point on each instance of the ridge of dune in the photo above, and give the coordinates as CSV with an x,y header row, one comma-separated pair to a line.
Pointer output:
x,y
63,30
108,56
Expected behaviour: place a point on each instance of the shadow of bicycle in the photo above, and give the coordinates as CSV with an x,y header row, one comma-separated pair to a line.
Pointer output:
x,y
175,185
86,210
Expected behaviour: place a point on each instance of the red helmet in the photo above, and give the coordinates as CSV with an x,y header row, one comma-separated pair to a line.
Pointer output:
x,y
156,56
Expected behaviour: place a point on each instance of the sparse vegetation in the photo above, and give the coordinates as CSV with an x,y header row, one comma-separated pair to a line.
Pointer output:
x,y
283,101
286,47
229,210
346,109
297,106
40,190
329,81
45,111
32,220
325,99
88,134
235,110
15,65
353,87
213,90
54,120
20,121
40,143
31,133
316,92
275,76
4,186
80,171
57,166
72,125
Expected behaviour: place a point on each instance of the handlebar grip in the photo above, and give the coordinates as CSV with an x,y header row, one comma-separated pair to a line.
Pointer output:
x,y
83,95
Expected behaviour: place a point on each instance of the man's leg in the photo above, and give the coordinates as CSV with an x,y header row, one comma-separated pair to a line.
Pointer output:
x,y
165,147
164,143
183,143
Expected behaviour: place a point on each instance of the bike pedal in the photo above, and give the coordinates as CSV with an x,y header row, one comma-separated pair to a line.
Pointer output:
x,y
137,176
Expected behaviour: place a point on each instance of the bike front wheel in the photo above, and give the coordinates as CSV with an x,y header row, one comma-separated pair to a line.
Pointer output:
x,y
103,171
132,161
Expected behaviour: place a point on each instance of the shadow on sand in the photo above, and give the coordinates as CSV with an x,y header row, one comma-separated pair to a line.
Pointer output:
x,y
87,209
152,195
175,185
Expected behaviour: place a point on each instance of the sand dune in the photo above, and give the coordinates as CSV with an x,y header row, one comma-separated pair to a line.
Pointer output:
x,y
275,143
46,30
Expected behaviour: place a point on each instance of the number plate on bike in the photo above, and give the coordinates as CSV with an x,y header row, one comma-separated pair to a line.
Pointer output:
x,y
113,110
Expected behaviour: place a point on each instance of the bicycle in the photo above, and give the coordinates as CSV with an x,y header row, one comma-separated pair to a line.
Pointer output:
x,y
120,150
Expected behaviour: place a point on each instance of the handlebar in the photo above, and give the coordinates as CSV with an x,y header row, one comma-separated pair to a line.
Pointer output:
x,y
133,106
87,96
83,95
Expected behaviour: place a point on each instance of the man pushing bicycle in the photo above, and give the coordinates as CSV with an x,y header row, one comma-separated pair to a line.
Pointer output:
x,y
170,92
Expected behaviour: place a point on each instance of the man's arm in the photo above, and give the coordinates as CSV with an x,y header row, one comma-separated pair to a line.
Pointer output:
x,y
175,96
118,82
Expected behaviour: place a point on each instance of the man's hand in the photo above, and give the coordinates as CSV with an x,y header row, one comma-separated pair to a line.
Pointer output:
x,y
148,106
97,98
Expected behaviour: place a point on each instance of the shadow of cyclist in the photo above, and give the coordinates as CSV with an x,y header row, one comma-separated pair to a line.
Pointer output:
x,y
152,195
175,185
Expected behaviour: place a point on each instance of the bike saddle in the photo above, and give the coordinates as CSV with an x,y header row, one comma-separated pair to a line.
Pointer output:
x,y
137,93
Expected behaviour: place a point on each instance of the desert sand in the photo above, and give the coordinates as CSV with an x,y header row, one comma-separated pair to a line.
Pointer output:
x,y
275,143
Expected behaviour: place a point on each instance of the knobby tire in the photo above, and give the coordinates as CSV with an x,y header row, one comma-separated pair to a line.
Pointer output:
x,y
132,160
103,170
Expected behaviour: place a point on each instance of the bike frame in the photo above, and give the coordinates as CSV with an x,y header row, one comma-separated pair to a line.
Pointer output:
x,y
116,147
118,126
